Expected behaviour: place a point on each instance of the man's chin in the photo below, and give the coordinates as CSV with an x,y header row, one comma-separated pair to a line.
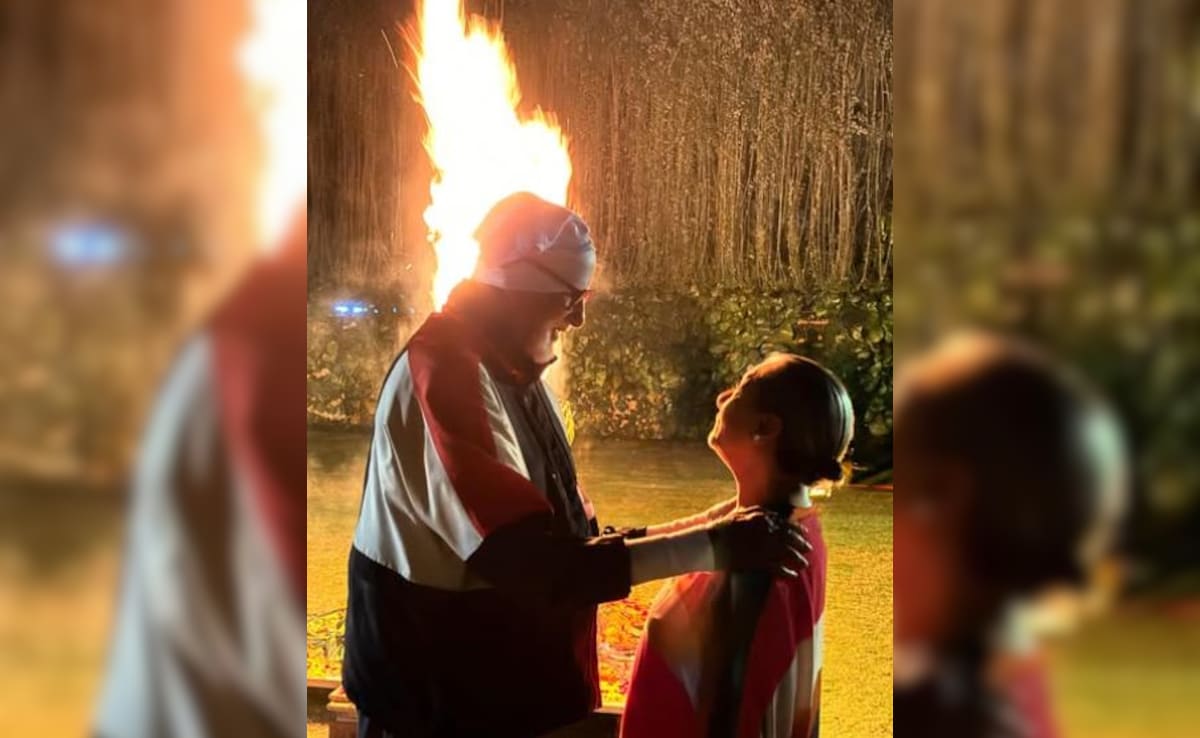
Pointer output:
x,y
542,358
543,352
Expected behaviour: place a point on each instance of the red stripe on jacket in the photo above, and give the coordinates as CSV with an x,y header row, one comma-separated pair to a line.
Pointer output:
x,y
446,381
259,360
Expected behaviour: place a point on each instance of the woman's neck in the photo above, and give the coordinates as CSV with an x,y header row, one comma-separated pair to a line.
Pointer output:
x,y
772,491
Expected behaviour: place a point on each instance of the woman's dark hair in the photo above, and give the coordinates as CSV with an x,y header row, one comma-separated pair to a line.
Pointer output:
x,y
1037,448
816,413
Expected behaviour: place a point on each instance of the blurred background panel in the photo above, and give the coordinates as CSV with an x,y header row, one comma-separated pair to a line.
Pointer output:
x,y
129,172
126,204
1048,186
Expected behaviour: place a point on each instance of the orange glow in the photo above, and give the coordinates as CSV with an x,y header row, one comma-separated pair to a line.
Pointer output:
x,y
481,149
273,58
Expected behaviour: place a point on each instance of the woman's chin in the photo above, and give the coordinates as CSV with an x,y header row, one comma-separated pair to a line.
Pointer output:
x,y
714,442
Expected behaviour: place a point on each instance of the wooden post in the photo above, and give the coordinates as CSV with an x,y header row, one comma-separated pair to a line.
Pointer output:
x,y
343,716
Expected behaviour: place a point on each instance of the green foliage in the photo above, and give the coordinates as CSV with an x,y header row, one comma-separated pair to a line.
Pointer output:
x,y
1117,297
83,358
348,359
650,366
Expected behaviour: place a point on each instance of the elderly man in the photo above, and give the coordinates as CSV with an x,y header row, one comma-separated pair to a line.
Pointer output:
x,y
477,566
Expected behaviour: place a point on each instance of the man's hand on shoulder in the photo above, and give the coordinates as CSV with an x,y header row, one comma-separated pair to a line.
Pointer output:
x,y
755,538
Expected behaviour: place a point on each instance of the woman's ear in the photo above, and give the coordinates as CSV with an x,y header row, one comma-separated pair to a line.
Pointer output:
x,y
767,427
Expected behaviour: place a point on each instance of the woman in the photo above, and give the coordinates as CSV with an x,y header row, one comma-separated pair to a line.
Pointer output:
x,y
740,654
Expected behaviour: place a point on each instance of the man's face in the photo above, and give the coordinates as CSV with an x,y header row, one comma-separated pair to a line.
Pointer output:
x,y
539,318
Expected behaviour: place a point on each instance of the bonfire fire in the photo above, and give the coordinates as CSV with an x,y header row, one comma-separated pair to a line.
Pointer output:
x,y
481,148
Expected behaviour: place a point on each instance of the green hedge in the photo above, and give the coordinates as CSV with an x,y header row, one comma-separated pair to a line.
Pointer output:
x,y
349,357
650,366
647,366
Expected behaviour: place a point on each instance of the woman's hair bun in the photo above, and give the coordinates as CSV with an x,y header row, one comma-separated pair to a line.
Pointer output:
x,y
830,469
811,471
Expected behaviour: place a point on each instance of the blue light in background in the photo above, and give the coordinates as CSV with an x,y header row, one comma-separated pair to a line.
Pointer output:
x,y
350,308
93,243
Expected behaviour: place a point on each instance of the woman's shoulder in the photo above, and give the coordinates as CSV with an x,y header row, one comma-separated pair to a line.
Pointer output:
x,y
685,595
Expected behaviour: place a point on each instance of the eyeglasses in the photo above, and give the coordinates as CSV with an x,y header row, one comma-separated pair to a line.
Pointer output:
x,y
573,297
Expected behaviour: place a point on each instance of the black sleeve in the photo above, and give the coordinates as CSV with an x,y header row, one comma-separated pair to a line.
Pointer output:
x,y
525,558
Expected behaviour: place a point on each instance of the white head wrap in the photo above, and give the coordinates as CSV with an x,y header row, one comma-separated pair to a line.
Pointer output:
x,y
529,244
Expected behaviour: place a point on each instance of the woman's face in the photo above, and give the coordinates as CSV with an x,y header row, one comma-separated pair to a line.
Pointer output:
x,y
741,433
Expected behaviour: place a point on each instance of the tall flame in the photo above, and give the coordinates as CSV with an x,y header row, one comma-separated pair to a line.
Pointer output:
x,y
481,149
273,58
